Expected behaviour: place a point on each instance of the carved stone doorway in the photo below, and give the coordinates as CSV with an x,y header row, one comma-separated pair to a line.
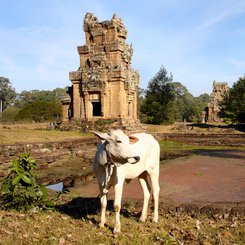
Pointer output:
x,y
96,108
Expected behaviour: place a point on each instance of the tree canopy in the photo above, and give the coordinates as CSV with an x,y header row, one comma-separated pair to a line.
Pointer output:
x,y
35,105
40,111
233,104
27,97
158,98
7,93
167,101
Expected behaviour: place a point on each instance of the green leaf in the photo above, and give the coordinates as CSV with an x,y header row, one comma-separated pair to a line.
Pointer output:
x,y
16,180
44,191
26,179
49,204
5,188
15,166
16,190
32,161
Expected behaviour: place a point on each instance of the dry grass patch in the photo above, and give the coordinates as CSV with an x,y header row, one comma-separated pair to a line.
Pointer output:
x,y
22,133
79,225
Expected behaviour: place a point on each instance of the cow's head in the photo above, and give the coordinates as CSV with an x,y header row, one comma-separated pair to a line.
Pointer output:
x,y
119,146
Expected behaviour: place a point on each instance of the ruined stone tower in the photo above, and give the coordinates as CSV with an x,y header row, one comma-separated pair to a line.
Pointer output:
x,y
105,85
212,110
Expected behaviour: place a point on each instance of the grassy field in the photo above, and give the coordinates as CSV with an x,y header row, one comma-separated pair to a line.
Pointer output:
x,y
11,134
36,132
76,224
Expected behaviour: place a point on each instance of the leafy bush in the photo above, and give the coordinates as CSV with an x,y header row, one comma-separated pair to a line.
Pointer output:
x,y
9,114
40,111
20,189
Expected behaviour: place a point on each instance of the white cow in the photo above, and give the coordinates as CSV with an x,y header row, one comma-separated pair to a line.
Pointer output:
x,y
120,157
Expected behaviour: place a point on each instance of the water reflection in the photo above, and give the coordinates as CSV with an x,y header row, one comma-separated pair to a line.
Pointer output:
x,y
56,187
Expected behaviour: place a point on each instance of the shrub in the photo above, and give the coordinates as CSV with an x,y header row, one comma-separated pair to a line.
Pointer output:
x,y
9,114
20,189
40,111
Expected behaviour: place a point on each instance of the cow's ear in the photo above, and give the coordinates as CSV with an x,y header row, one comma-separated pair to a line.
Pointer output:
x,y
132,139
102,136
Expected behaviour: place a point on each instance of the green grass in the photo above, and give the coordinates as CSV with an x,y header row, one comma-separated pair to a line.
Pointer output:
x,y
167,145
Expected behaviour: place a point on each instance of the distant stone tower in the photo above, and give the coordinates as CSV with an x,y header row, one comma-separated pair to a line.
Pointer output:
x,y
212,110
105,85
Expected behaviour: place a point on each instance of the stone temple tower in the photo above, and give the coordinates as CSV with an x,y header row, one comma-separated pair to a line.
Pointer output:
x,y
105,85
211,112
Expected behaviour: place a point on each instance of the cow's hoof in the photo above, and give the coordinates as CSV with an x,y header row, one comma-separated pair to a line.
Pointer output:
x,y
116,231
101,225
142,219
155,220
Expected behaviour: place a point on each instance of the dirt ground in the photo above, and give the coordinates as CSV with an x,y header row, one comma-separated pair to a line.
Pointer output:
x,y
213,176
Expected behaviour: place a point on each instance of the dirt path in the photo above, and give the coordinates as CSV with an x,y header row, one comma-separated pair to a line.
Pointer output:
x,y
214,176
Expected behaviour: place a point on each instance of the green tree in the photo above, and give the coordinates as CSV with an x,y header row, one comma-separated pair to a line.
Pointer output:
x,y
166,101
58,93
187,107
9,114
159,97
202,101
183,105
27,97
40,111
7,93
141,98
39,105
233,104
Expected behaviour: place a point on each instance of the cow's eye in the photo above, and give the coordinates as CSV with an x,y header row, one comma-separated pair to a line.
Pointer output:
x,y
118,141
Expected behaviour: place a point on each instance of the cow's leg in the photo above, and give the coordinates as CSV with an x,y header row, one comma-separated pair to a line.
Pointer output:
x,y
146,190
103,204
117,205
155,189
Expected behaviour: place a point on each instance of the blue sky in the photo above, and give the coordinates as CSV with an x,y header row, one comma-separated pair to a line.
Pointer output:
x,y
198,41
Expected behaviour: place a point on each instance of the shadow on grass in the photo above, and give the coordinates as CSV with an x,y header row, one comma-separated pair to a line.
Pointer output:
x,y
83,207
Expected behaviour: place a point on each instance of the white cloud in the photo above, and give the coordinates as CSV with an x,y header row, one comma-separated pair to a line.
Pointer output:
x,y
223,12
